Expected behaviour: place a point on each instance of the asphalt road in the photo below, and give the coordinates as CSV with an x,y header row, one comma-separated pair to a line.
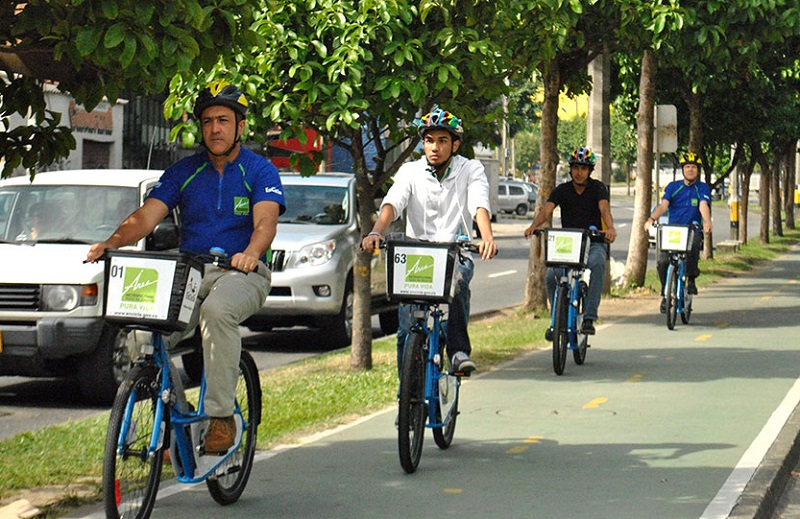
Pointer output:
x,y
656,424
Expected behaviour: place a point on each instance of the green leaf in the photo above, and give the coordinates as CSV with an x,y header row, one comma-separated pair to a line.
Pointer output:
x,y
86,40
114,36
110,9
128,52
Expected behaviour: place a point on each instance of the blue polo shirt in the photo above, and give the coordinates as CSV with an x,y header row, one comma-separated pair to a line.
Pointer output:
x,y
217,210
684,201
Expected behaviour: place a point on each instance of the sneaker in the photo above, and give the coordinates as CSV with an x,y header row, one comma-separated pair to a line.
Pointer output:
x,y
663,305
587,327
461,363
548,335
220,435
692,287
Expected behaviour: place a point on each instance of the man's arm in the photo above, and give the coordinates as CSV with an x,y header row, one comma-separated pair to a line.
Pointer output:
x,y
660,209
545,214
135,227
608,220
487,247
265,226
705,211
385,217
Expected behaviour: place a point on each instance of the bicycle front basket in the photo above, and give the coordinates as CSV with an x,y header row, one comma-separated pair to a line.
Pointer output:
x,y
675,238
420,271
157,290
566,247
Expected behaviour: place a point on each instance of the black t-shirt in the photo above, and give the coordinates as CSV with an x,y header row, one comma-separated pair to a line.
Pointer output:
x,y
580,211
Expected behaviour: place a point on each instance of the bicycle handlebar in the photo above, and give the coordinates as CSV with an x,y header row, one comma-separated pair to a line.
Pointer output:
x,y
220,260
594,233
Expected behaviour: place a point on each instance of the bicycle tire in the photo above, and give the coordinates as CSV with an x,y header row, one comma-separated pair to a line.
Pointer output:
x,y
579,353
443,436
230,479
560,329
686,315
413,411
672,297
130,477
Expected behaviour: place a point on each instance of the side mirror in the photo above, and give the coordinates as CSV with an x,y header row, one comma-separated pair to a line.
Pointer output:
x,y
164,237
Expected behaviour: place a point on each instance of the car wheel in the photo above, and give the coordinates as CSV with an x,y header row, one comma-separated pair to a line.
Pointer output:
x,y
339,328
101,372
522,210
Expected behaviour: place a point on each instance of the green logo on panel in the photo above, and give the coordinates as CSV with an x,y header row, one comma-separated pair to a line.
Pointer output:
x,y
419,268
140,285
564,244
241,205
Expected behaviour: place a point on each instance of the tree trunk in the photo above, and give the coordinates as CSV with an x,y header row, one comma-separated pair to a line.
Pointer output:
x,y
695,104
747,172
636,266
535,291
775,192
764,198
789,180
361,346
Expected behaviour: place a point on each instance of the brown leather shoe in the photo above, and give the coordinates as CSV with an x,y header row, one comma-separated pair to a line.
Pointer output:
x,y
220,435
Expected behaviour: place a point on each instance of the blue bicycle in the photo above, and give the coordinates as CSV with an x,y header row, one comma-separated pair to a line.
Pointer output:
x,y
566,251
150,414
423,274
677,241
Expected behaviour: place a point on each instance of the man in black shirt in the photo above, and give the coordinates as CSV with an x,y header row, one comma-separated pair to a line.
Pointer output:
x,y
584,204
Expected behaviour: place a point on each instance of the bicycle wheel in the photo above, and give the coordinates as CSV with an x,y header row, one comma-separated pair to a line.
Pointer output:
x,y
687,304
130,477
579,353
443,436
228,481
412,412
560,329
672,297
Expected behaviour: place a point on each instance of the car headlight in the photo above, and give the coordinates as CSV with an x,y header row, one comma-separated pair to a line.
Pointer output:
x,y
62,298
316,254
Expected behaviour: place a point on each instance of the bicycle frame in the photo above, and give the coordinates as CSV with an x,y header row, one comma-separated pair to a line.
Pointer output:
x,y
571,277
194,468
677,260
433,373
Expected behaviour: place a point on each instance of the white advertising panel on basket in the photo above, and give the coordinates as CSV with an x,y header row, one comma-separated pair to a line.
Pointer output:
x,y
142,288
674,237
564,246
423,273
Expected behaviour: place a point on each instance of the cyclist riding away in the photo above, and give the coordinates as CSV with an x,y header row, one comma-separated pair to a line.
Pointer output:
x,y
688,201
441,193
584,204
229,197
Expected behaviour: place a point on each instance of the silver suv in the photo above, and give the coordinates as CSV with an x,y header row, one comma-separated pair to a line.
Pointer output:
x,y
513,197
312,263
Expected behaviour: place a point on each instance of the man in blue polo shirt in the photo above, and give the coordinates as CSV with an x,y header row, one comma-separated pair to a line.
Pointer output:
x,y
688,201
229,197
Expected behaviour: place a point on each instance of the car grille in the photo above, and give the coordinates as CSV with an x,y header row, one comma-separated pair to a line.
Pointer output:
x,y
278,257
15,297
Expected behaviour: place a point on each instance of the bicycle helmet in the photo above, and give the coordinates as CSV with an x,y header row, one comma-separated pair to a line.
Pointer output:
x,y
439,119
582,157
222,94
691,158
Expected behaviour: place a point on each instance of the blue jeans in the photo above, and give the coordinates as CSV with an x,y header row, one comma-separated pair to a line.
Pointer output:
x,y
454,329
598,254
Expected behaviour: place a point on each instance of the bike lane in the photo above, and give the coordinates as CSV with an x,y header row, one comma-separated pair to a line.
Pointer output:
x,y
657,423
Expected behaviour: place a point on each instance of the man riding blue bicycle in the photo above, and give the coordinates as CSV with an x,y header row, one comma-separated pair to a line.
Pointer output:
x,y
688,201
441,193
584,204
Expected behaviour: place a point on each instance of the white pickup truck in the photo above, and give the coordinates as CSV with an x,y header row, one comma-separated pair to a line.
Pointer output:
x,y
51,302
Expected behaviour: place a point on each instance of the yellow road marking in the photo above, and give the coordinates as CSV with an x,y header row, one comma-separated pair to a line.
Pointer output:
x,y
518,449
703,338
452,490
636,378
533,439
595,402
722,324
766,298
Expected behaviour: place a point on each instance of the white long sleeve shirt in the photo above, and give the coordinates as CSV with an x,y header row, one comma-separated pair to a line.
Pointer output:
x,y
439,211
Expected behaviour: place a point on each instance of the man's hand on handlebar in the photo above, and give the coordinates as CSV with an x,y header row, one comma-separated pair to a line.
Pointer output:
x,y
244,262
487,249
371,241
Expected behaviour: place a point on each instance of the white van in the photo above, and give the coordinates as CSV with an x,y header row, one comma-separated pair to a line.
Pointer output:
x,y
51,302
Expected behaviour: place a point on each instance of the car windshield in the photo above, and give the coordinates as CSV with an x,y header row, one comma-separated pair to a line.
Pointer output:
x,y
73,214
325,205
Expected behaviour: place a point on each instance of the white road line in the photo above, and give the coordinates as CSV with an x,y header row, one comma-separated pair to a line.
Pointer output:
x,y
722,504
499,274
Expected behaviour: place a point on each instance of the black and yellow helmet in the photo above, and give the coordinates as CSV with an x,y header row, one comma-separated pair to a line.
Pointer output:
x,y
691,158
221,93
